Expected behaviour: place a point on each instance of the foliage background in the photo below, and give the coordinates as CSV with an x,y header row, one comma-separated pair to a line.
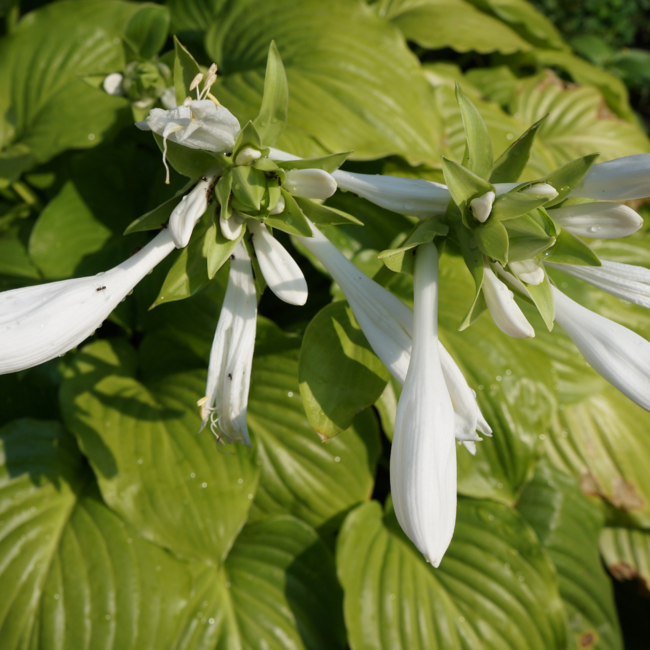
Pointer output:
x,y
120,527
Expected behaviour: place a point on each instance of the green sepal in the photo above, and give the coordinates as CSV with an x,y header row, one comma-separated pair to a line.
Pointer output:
x,y
185,69
492,240
265,164
218,249
258,276
189,273
273,194
193,163
323,215
529,235
474,261
272,118
464,186
542,295
222,192
399,259
512,162
146,31
248,186
155,218
291,220
249,137
478,154
513,204
329,163
569,249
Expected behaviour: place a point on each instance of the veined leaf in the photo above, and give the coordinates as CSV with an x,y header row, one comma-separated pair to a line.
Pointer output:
x,y
147,30
272,118
185,70
479,145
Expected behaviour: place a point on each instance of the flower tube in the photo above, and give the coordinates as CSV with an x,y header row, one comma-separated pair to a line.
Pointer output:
x,y
622,179
598,220
613,351
231,358
45,321
310,183
189,211
423,454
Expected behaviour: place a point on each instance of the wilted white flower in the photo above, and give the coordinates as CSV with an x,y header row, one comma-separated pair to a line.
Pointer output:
x,y
423,454
189,211
622,179
42,322
613,351
231,358
282,274
501,304
598,220
482,206
310,183
530,271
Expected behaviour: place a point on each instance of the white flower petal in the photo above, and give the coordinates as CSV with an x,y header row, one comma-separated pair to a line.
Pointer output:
x,y
505,312
231,227
622,179
280,271
613,351
482,206
624,281
310,183
42,322
598,220
529,271
113,84
188,212
231,358
423,454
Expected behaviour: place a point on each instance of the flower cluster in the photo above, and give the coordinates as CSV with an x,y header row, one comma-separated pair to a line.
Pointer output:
x,y
509,234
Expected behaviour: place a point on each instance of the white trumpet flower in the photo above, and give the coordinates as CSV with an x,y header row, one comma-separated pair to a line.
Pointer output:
x,y
423,454
631,283
231,358
189,211
282,274
598,220
623,179
501,304
310,183
482,206
45,321
613,351
388,325
530,271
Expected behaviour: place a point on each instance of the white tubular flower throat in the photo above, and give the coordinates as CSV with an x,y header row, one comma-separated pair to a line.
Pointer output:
x,y
231,358
598,220
623,179
189,211
279,269
613,351
423,454
501,304
45,321
310,183
631,283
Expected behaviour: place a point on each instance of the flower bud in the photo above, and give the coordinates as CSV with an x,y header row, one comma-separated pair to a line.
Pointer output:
x,y
482,206
113,84
598,220
529,271
279,206
505,312
541,190
310,183
231,227
247,156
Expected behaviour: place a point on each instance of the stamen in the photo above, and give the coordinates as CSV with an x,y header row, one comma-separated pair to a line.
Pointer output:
x,y
195,84
214,99
165,160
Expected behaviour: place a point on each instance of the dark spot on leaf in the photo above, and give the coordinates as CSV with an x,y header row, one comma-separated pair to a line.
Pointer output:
x,y
587,640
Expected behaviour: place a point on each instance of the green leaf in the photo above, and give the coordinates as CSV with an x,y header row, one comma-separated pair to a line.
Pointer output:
x,y
323,215
152,468
529,235
316,482
218,249
627,553
249,137
248,186
473,258
223,190
464,186
291,219
189,272
193,163
492,239
327,163
147,30
44,106
479,145
569,249
542,296
376,103
568,176
514,204
512,162
155,218
495,588
16,267
568,524
272,118
435,25
185,70
339,374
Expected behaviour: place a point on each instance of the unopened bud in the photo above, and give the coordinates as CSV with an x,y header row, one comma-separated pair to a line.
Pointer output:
x,y
247,156
113,84
310,183
482,206
541,190
530,271
279,206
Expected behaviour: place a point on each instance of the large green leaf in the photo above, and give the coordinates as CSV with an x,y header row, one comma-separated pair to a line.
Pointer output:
x,y
339,374
300,475
495,588
152,468
353,84
568,525
74,575
457,24
16,268
627,553
43,103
